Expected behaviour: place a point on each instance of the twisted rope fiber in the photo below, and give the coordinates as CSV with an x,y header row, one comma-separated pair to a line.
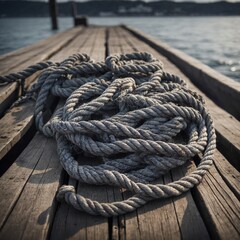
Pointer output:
x,y
129,113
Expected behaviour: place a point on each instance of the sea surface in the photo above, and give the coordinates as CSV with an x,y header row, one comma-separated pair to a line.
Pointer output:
x,y
213,40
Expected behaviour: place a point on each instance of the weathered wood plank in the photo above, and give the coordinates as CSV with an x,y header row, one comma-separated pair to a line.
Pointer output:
x,y
213,194
14,125
22,58
116,194
227,127
170,216
219,207
96,227
31,182
13,181
70,223
28,190
229,174
141,223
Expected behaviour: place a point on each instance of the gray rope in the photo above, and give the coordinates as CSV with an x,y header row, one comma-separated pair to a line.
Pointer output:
x,y
132,115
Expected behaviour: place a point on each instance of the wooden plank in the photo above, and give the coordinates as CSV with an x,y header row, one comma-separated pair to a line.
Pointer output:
x,y
28,190
213,197
96,227
68,222
160,219
219,207
227,127
229,174
115,194
14,126
30,184
130,226
14,180
224,90
18,120
22,58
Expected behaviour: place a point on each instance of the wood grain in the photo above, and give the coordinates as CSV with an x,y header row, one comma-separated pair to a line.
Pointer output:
x,y
229,174
219,206
29,189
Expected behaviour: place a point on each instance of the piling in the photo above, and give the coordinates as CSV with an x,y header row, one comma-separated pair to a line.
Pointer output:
x,y
78,20
53,13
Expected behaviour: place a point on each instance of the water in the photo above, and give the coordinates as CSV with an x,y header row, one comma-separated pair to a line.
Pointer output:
x,y
213,40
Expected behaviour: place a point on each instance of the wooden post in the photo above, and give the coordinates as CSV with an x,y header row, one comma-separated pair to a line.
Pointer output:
x,y
53,13
78,20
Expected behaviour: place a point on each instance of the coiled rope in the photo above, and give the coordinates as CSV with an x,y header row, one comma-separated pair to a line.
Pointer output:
x,y
133,115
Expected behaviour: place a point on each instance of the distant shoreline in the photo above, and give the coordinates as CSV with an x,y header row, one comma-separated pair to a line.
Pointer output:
x,y
121,9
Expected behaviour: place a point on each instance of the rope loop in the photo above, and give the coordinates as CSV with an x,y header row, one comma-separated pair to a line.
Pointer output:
x,y
133,63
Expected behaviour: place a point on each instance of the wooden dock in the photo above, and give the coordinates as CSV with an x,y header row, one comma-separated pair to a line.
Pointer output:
x,y
31,173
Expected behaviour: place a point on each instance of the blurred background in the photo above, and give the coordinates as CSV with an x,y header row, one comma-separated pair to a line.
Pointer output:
x,y
206,30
